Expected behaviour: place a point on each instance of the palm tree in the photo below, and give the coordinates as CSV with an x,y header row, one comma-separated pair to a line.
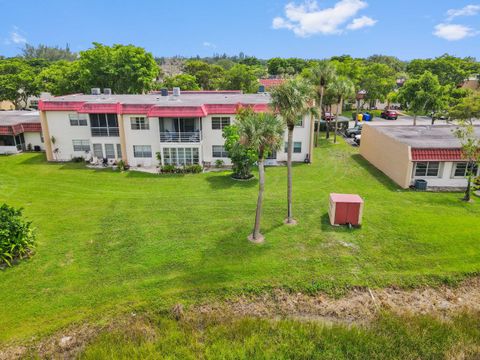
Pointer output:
x,y
341,89
321,76
262,132
292,100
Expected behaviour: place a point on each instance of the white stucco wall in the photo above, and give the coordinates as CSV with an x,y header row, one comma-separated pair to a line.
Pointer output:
x,y
34,139
142,137
60,128
445,177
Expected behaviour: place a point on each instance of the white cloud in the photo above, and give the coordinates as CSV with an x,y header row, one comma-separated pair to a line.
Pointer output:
x,y
15,37
209,44
308,18
361,22
453,32
469,10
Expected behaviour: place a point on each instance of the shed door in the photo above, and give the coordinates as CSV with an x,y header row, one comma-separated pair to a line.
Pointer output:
x,y
352,214
341,213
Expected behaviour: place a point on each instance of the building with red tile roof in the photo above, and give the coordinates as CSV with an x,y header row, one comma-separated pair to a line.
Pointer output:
x,y
410,153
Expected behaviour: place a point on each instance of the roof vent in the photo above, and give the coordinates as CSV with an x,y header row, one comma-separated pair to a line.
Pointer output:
x,y
96,91
176,91
107,91
164,91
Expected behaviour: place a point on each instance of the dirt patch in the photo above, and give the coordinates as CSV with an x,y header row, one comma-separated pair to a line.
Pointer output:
x,y
359,305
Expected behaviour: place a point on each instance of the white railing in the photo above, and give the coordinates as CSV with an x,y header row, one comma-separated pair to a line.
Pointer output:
x,y
181,137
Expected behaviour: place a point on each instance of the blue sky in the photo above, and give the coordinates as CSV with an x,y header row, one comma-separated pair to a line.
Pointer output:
x,y
307,29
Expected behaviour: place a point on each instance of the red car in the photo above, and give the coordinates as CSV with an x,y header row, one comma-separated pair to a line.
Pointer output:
x,y
328,116
389,114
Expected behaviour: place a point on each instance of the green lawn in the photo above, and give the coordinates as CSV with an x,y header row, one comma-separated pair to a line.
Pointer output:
x,y
110,242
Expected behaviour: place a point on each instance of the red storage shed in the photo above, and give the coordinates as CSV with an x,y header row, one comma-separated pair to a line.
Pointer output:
x,y
345,209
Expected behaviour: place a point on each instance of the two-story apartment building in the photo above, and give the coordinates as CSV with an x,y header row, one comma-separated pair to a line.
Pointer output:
x,y
20,131
185,128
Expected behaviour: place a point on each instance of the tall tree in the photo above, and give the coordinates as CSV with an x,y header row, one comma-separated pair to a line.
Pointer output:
x,y
377,80
126,69
50,53
183,81
422,95
292,100
321,75
262,132
17,81
60,78
341,89
240,77
208,76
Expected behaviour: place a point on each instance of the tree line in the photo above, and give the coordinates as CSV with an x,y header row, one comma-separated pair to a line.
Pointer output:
x,y
130,69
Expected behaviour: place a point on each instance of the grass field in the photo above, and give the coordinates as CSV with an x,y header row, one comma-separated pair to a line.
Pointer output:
x,y
109,242
388,337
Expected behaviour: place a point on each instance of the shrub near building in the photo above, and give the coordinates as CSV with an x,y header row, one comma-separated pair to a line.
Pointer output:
x,y
17,236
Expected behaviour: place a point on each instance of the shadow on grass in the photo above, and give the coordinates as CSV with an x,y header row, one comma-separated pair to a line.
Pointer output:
x,y
37,159
374,172
225,181
327,227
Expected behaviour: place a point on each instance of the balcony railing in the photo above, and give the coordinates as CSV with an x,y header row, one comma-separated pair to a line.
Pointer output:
x,y
181,137
105,131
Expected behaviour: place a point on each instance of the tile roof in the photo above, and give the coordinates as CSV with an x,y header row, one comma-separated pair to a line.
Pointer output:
x,y
439,154
268,83
16,122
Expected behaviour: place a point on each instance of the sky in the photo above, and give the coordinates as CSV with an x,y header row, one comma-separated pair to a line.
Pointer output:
x,y
306,29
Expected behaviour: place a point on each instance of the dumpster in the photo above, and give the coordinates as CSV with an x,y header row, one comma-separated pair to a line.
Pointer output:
x,y
421,184
345,209
367,117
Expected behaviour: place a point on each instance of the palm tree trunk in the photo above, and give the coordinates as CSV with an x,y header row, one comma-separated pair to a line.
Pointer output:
x,y
415,120
336,123
289,174
261,189
320,118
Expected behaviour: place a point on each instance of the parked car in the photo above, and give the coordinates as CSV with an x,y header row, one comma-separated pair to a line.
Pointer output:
x,y
352,132
439,116
328,116
357,139
389,114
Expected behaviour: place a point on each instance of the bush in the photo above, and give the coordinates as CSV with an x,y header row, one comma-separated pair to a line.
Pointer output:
x,y
78,159
168,169
189,169
122,166
17,237
219,163
194,169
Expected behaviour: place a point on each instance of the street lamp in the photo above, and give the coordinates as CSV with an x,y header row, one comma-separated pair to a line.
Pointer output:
x,y
359,96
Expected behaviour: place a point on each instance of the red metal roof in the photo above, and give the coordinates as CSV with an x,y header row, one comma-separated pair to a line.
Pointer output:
x,y
20,128
346,198
268,83
438,154
149,109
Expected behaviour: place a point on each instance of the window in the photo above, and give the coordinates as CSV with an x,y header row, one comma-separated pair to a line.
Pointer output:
x,y
297,147
272,155
142,151
461,169
109,151
81,145
78,119
299,122
430,168
218,123
139,123
119,151
180,156
104,124
218,151
98,151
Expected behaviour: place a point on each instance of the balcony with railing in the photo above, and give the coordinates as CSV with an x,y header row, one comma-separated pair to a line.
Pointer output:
x,y
180,130
181,137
